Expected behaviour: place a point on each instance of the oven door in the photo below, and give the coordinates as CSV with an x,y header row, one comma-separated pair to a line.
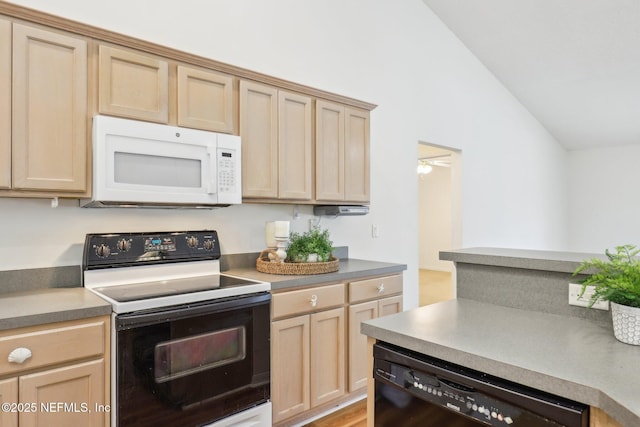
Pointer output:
x,y
194,364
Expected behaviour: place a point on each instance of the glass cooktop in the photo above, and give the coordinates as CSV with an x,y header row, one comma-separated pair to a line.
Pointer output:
x,y
163,288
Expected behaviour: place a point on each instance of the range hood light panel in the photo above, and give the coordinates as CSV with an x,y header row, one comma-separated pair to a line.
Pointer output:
x,y
337,210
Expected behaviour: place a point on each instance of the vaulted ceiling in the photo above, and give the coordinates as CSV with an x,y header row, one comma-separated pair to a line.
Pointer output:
x,y
574,64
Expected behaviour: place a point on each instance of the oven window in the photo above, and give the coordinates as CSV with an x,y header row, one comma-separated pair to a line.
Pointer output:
x,y
177,358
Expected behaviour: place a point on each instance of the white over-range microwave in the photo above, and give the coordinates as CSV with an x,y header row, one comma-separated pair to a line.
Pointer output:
x,y
153,165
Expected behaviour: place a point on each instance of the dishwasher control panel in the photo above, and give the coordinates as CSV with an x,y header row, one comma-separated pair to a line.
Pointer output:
x,y
413,388
450,395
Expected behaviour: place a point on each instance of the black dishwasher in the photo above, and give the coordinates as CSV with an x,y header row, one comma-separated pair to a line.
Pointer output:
x,y
417,390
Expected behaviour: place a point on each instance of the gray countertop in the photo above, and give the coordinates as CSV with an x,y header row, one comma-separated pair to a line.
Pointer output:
x,y
36,307
563,262
567,356
349,269
48,305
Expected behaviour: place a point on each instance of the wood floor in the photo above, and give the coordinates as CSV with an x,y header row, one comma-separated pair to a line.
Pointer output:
x,y
435,286
352,416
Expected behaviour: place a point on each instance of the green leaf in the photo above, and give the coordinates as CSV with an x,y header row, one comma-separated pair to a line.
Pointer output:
x,y
615,279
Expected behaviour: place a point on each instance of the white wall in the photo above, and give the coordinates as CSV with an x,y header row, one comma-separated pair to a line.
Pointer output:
x,y
604,198
434,218
396,54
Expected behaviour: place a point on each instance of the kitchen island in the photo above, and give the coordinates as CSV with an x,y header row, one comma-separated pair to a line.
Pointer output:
x,y
557,350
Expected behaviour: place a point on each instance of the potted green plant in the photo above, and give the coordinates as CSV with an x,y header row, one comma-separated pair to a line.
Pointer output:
x,y
616,279
311,246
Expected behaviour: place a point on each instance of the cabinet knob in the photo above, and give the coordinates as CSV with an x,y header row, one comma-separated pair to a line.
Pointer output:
x,y
19,355
381,288
314,300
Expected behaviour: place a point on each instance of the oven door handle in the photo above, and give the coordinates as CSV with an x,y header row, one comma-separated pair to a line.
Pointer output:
x,y
161,315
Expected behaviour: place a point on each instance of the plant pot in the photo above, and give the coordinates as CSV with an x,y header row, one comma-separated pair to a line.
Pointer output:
x,y
626,323
312,258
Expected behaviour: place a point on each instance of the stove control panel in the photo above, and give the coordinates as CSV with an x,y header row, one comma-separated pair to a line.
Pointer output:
x,y
127,249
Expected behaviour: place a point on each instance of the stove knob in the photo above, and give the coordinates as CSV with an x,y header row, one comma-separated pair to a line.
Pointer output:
x,y
124,245
103,251
208,244
192,241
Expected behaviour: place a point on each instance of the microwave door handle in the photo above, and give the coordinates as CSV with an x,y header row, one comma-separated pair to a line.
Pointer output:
x,y
213,177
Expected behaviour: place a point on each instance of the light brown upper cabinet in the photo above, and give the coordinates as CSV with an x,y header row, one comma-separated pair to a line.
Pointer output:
x,y
205,100
356,149
49,110
342,153
329,151
276,131
5,103
133,85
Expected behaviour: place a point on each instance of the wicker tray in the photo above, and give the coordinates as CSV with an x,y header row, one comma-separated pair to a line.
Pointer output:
x,y
264,265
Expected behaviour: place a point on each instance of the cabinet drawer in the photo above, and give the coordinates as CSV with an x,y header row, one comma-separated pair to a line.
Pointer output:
x,y
301,301
378,287
53,344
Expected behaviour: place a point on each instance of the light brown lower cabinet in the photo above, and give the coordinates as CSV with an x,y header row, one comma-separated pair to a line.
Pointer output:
x,y
327,355
308,350
65,381
599,418
9,394
290,367
318,356
382,296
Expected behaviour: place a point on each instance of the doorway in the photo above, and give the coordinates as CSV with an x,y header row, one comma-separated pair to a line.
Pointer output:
x,y
439,219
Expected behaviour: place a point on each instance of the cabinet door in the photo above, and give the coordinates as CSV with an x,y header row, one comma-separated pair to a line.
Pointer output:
x,y
49,110
259,132
356,155
327,356
294,146
358,373
5,103
329,151
390,305
80,387
133,85
205,100
290,367
9,394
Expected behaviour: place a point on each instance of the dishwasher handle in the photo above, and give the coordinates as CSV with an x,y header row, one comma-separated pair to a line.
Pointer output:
x,y
456,386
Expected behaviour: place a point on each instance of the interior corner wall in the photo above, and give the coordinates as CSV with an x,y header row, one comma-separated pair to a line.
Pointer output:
x,y
396,54
604,202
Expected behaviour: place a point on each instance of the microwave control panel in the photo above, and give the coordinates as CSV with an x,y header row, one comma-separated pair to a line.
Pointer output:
x,y
227,171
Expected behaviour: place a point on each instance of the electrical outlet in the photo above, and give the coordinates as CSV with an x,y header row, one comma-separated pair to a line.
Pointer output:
x,y
314,223
375,233
576,299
